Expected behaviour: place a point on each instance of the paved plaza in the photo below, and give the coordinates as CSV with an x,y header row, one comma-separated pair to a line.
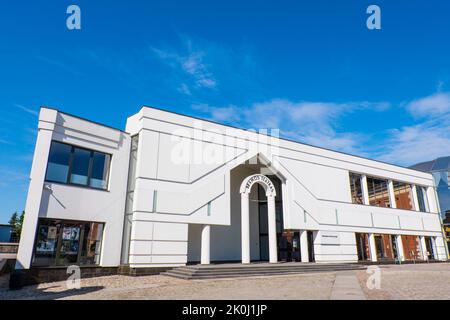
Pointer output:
x,y
422,281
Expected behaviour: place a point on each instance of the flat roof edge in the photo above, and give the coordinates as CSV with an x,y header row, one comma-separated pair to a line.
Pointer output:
x,y
84,119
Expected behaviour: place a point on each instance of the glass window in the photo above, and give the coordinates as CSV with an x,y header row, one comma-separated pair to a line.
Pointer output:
x,y
58,162
422,198
403,195
48,232
80,166
61,242
378,192
69,243
100,170
92,239
73,165
355,188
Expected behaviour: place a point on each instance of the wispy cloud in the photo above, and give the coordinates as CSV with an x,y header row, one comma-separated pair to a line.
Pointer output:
x,y
26,109
434,105
322,124
314,123
428,138
190,64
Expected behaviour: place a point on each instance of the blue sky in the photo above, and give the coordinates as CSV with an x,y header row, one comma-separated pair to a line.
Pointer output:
x,y
310,68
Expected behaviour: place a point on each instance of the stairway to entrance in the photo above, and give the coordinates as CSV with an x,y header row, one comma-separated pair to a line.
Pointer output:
x,y
234,270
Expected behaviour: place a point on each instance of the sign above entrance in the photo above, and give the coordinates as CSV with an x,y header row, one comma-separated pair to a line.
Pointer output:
x,y
263,180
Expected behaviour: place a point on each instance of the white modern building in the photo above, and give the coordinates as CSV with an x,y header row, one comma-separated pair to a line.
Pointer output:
x,y
172,190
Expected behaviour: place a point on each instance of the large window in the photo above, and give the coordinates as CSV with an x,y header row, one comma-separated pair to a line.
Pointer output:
x,y
411,247
378,192
356,188
403,195
422,198
63,242
79,166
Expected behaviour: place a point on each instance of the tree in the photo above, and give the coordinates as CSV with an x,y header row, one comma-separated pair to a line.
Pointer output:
x,y
13,220
20,224
16,222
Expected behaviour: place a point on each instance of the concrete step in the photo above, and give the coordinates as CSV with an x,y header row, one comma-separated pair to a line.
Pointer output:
x,y
272,266
211,272
238,275
201,271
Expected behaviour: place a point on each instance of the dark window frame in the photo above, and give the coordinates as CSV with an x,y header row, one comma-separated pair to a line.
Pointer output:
x,y
378,193
422,199
58,244
89,174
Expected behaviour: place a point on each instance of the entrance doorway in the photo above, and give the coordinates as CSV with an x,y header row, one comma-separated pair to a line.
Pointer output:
x,y
273,225
429,247
289,246
288,242
311,255
394,247
385,247
362,246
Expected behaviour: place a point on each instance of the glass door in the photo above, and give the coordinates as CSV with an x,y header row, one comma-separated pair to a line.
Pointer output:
x,y
362,243
69,246
429,247
394,247
311,255
379,247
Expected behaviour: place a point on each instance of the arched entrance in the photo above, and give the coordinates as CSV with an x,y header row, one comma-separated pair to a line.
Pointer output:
x,y
245,189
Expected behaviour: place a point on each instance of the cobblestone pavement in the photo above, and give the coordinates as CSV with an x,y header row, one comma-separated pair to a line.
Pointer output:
x,y
397,282
410,282
310,286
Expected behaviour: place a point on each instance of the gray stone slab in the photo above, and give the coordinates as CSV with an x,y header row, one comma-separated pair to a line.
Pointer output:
x,y
346,287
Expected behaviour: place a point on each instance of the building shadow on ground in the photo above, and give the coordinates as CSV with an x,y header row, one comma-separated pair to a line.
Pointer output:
x,y
35,293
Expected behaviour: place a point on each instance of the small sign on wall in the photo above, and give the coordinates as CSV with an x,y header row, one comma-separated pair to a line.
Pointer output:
x,y
330,238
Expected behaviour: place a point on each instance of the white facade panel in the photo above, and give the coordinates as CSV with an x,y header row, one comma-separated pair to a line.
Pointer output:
x,y
169,247
142,230
188,174
170,231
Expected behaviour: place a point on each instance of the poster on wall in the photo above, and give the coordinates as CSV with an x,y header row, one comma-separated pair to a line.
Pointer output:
x,y
71,233
75,233
46,246
66,233
51,233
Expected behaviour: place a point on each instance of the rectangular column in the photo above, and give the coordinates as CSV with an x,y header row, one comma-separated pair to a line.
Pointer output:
x,y
415,198
423,246
272,225
400,252
365,189
304,250
373,249
391,194
432,200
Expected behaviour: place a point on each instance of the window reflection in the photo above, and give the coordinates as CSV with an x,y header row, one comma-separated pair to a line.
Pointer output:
x,y
378,192
422,198
403,195
356,188
62,242
80,166
58,162
74,165
100,169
